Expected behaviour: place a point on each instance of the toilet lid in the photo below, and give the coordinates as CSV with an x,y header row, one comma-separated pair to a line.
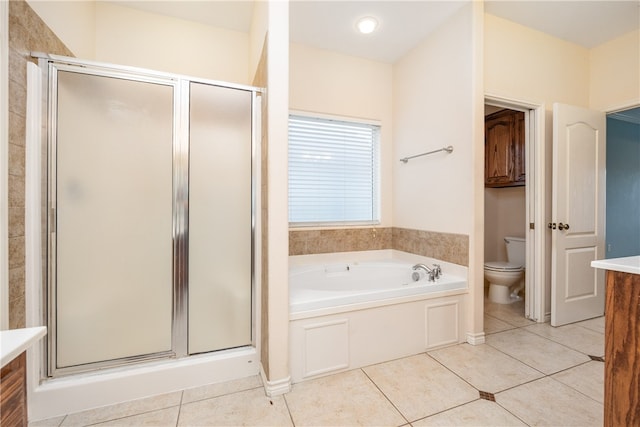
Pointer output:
x,y
502,266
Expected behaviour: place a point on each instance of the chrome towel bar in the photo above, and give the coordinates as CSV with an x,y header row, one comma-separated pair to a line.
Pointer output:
x,y
448,149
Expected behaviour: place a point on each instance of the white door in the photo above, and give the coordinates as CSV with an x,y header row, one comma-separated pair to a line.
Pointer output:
x,y
578,207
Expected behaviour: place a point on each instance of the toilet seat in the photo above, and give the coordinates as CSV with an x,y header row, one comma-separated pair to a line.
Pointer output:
x,y
502,266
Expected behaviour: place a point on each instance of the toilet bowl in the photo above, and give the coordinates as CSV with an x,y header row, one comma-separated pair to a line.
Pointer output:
x,y
505,278
502,276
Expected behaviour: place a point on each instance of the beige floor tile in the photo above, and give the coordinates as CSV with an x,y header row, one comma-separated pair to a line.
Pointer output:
x,y
476,413
245,408
220,389
588,379
122,410
510,313
345,399
484,367
547,402
584,340
596,324
49,422
538,352
162,418
419,386
493,325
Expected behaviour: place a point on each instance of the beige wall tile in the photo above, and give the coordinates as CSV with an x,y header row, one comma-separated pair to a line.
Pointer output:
x,y
443,246
16,159
27,32
17,129
16,222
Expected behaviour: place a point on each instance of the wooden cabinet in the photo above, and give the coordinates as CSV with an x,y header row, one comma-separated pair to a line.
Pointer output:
x,y
13,394
622,350
504,148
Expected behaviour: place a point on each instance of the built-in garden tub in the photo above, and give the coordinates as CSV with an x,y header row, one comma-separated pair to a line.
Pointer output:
x,y
353,309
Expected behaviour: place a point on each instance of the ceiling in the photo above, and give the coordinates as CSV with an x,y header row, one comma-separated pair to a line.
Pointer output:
x,y
330,24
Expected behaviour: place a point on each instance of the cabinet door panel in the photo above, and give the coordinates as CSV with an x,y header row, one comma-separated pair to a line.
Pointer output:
x,y
519,138
499,151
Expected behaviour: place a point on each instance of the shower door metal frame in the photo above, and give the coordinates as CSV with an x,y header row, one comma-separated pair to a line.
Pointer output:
x,y
51,64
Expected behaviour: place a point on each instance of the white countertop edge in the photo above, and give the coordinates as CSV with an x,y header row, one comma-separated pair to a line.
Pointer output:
x,y
14,341
630,264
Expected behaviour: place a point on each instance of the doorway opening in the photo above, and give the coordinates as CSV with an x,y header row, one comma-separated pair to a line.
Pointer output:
x,y
623,191
515,208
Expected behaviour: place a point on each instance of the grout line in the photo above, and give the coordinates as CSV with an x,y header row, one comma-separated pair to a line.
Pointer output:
x,y
445,410
130,416
576,390
286,404
385,396
180,408
517,417
453,372
223,394
562,344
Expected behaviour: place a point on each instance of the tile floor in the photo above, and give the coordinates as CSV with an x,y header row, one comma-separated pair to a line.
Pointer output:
x,y
529,374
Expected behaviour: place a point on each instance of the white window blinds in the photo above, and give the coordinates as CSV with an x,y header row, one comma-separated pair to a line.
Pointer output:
x,y
333,171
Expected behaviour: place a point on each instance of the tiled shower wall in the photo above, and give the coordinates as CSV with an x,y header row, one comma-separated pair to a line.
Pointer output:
x,y
448,247
27,33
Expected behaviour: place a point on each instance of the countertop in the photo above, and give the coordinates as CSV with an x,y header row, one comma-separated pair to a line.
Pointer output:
x,y
630,264
14,341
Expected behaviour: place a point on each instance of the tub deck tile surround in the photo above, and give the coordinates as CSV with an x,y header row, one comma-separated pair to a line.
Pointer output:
x,y
305,242
572,396
448,247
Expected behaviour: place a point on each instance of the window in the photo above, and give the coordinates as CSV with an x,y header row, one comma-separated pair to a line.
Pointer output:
x,y
333,171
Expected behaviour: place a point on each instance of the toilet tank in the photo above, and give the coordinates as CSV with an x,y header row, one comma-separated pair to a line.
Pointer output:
x,y
515,250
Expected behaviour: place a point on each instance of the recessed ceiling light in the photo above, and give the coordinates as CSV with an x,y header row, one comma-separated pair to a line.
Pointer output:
x,y
367,25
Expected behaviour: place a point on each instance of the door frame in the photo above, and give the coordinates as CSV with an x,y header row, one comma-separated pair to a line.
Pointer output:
x,y
535,153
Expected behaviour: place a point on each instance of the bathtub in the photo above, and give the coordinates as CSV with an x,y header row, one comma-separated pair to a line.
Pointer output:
x,y
313,287
353,309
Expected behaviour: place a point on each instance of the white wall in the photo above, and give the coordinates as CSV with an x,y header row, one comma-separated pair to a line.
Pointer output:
x,y
278,217
131,37
257,35
332,83
72,21
111,33
504,216
614,71
439,101
432,109
529,65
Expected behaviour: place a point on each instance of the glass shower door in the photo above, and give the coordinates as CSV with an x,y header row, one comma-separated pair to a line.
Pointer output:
x,y
220,218
113,231
151,197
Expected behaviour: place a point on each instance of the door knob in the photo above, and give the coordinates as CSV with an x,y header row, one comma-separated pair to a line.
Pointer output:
x,y
562,226
552,225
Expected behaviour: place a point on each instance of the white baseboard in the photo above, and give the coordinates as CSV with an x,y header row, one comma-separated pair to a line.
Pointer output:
x,y
275,387
476,339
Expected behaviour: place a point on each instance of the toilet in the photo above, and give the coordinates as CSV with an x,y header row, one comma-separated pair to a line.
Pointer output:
x,y
505,278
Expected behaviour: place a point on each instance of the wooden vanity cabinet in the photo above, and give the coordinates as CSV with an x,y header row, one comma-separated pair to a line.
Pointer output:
x,y
622,350
13,393
504,145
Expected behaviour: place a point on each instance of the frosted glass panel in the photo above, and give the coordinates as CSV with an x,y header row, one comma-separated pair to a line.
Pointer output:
x,y
114,218
219,218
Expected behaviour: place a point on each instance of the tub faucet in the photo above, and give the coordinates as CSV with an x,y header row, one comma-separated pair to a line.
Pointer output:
x,y
437,271
430,272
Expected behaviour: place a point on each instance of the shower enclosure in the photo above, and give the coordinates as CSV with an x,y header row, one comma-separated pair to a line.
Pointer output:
x,y
150,215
